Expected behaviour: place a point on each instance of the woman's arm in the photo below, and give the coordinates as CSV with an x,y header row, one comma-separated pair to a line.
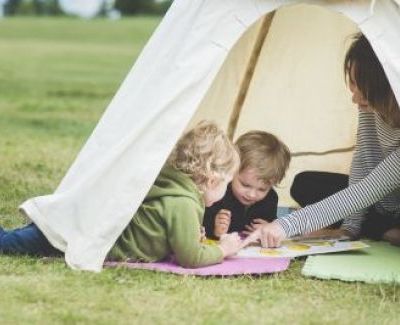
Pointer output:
x,y
382,180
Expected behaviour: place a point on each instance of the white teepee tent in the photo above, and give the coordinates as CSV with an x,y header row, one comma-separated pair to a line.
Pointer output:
x,y
249,64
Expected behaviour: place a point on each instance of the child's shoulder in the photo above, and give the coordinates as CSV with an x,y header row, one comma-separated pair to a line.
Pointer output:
x,y
184,206
272,196
272,193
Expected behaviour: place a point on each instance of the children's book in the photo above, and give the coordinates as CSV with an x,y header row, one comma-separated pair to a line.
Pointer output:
x,y
296,247
291,248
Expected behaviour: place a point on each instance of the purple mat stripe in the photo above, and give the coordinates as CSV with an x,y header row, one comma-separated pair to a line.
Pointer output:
x,y
234,266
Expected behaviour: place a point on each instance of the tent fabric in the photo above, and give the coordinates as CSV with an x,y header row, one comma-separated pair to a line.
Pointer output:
x,y
169,82
293,67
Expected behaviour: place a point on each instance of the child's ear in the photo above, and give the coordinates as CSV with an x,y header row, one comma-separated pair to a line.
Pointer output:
x,y
212,181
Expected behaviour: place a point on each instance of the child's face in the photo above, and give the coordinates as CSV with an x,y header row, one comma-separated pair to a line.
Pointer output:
x,y
216,190
248,188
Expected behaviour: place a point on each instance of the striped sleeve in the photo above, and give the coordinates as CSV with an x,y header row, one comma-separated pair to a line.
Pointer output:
x,y
382,180
358,171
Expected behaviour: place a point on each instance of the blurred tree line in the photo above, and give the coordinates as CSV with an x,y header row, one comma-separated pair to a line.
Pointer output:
x,y
52,7
133,7
33,7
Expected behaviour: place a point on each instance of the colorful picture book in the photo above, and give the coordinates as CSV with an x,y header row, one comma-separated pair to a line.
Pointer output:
x,y
291,248
295,248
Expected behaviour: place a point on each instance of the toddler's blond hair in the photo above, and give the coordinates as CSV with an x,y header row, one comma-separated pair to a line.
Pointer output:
x,y
265,153
204,152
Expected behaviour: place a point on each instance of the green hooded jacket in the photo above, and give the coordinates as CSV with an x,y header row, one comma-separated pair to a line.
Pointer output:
x,y
168,221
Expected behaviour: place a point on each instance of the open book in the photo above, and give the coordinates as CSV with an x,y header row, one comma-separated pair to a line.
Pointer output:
x,y
294,248
300,247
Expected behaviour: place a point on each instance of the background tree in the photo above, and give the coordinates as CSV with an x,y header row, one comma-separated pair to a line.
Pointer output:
x,y
51,7
32,7
11,7
38,6
134,7
164,5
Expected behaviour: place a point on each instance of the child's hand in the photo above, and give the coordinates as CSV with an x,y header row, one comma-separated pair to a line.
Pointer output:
x,y
230,244
254,225
202,234
222,222
270,235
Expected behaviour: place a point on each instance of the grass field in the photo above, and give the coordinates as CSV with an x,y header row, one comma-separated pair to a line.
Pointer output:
x,y
56,78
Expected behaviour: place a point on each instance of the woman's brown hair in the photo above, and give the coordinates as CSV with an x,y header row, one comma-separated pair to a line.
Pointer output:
x,y
371,80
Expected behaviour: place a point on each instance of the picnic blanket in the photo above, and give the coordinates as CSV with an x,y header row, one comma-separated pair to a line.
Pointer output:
x,y
228,267
380,263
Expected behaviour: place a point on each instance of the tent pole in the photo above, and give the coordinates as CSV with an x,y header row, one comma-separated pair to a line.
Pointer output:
x,y
251,65
322,153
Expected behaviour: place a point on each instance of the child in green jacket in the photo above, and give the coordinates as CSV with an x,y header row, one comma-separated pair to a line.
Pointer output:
x,y
169,219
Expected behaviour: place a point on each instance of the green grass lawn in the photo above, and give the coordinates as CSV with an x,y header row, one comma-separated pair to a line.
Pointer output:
x,y
56,78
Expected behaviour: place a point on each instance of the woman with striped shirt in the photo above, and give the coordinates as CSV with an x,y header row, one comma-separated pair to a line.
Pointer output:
x,y
372,198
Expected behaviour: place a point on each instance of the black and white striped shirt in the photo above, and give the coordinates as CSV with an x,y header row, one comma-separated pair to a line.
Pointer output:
x,y
374,180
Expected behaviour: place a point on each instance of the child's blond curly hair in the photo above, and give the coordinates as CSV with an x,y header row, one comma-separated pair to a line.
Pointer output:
x,y
204,152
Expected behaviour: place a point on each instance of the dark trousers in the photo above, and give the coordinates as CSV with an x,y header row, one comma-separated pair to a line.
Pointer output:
x,y
312,186
28,240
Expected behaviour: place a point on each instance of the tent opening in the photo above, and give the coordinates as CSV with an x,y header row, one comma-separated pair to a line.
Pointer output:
x,y
285,76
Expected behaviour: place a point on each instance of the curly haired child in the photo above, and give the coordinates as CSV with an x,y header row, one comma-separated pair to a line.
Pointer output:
x,y
169,219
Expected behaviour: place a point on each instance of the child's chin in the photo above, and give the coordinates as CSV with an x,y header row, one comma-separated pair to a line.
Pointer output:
x,y
247,203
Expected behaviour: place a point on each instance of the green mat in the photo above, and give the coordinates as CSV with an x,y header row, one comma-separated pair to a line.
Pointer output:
x,y
380,263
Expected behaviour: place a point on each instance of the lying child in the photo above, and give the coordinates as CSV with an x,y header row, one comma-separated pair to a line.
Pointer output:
x,y
169,220
250,200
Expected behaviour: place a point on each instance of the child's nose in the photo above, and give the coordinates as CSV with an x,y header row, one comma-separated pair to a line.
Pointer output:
x,y
252,194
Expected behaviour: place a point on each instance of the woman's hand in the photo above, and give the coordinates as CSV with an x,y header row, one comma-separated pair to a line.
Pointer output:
x,y
328,233
270,235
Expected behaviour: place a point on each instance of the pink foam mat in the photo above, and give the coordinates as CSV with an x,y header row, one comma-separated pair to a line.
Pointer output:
x,y
234,266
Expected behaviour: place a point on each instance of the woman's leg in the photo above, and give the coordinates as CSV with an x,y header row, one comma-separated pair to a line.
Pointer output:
x,y
28,240
312,186
392,236
381,227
